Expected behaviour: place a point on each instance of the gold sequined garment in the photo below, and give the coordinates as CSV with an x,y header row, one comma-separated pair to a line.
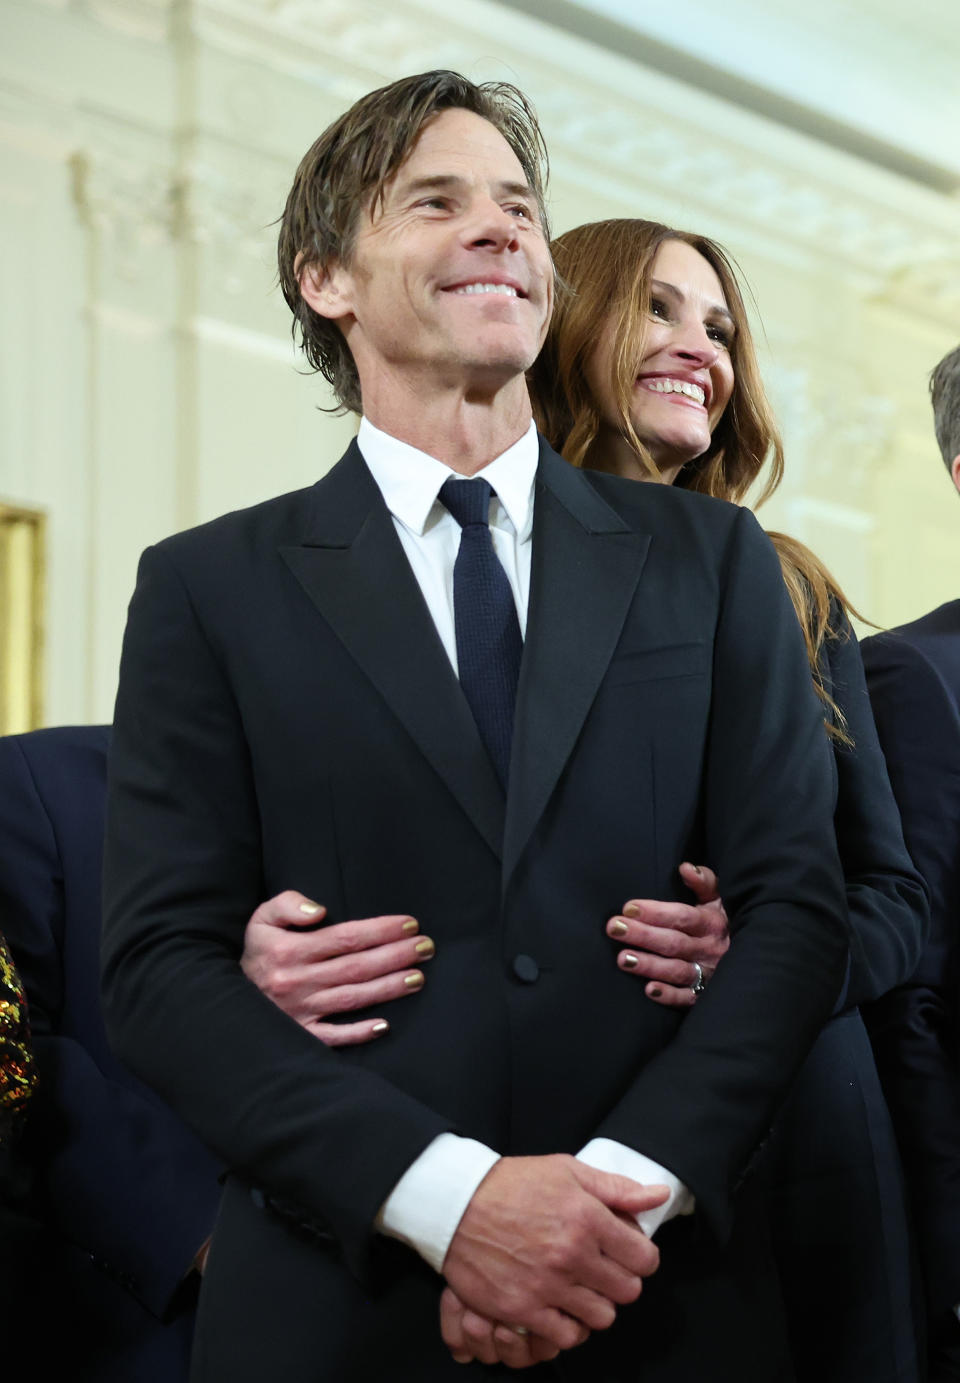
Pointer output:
x,y
17,1073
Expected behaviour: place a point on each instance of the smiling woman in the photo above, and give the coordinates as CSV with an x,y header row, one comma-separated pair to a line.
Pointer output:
x,y
652,318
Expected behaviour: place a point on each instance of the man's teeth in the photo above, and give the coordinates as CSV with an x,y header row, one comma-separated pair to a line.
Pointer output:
x,y
503,289
676,386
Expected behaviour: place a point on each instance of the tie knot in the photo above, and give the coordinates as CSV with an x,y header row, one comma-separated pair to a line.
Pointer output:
x,y
467,500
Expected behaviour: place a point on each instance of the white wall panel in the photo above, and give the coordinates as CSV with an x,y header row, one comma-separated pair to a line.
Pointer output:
x,y
148,380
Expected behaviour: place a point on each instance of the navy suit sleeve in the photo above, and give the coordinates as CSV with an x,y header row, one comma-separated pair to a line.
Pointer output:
x,y
889,914
915,1027
117,1173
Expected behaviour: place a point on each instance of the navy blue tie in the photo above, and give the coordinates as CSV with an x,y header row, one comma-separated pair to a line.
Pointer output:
x,y
489,644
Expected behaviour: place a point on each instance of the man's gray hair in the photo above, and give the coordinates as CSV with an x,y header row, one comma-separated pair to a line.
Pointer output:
x,y
945,394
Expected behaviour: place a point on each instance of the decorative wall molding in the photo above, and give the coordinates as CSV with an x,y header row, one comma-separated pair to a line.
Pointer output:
x,y
885,228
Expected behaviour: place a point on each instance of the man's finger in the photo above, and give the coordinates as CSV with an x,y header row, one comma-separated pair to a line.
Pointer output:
x,y
451,1326
619,1192
479,1335
521,1351
557,1329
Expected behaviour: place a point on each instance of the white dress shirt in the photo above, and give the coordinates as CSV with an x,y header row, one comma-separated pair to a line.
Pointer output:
x,y
428,1201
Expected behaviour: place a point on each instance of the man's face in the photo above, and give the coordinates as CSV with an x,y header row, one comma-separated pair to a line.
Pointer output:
x,y
450,284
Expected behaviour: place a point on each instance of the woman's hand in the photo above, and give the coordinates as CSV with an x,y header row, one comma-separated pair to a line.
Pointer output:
x,y
673,945
314,974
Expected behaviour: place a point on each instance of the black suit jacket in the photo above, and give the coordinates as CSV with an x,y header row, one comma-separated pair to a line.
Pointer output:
x,y
287,718
913,674
123,1194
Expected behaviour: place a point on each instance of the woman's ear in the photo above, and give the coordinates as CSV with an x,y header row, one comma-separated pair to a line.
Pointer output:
x,y
325,288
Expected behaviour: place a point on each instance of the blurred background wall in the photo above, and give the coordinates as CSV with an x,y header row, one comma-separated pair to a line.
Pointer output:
x,y
147,379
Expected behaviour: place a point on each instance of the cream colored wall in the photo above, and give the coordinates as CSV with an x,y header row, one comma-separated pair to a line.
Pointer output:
x,y
148,381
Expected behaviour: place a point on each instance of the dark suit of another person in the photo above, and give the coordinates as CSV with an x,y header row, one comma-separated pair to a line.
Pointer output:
x,y
913,674
123,1194
288,718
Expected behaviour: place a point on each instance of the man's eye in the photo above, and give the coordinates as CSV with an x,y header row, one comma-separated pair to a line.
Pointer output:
x,y
520,210
438,203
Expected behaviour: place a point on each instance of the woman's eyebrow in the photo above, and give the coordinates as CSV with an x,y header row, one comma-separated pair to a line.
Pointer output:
x,y
672,291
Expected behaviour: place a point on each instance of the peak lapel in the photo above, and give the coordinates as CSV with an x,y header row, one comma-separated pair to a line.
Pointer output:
x,y
354,570
586,565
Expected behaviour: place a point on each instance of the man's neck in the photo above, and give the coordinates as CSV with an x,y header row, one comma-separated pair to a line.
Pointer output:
x,y
466,432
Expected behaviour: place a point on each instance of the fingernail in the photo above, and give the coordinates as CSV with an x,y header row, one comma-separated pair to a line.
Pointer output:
x,y
410,927
629,961
382,1026
631,910
654,991
414,980
425,948
311,909
462,1358
617,928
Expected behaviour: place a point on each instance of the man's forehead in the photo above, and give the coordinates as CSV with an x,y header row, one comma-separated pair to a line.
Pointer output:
x,y
459,144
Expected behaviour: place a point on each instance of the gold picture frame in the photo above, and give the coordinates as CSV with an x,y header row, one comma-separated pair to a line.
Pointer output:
x,y
22,608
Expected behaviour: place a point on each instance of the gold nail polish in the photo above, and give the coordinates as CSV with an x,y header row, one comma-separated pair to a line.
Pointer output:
x,y
630,961
380,1027
414,980
631,910
618,928
410,927
425,948
311,909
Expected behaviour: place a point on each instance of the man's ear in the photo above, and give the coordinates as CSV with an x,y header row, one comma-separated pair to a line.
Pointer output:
x,y
955,470
325,288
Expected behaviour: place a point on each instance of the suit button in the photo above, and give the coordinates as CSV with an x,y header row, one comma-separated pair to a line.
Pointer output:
x,y
526,968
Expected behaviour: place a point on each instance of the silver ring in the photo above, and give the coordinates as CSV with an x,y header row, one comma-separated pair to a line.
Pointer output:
x,y
699,984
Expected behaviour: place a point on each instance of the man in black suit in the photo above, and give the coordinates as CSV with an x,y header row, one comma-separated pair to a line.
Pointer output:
x,y
913,674
117,1196
290,715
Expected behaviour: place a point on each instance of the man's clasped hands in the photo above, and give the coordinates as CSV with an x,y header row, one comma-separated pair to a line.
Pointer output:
x,y
548,1246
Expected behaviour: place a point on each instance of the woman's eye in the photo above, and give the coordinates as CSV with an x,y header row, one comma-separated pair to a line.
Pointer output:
x,y
659,308
721,335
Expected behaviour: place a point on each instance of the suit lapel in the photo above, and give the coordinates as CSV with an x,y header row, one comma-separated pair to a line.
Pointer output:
x,y
352,566
586,565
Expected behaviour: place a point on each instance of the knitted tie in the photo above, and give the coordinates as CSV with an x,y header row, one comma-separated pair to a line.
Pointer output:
x,y
489,644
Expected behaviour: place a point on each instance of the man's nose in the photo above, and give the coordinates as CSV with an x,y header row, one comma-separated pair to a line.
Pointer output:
x,y
491,227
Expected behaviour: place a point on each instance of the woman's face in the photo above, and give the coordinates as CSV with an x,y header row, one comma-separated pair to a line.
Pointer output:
x,y
685,379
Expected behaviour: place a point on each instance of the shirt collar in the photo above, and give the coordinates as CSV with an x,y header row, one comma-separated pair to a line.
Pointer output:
x,y
410,480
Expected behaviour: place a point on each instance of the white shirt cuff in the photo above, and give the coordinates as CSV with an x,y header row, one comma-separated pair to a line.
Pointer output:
x,y
609,1156
427,1203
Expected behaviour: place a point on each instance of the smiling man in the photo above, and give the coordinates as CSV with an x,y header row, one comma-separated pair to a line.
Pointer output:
x,y
457,680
